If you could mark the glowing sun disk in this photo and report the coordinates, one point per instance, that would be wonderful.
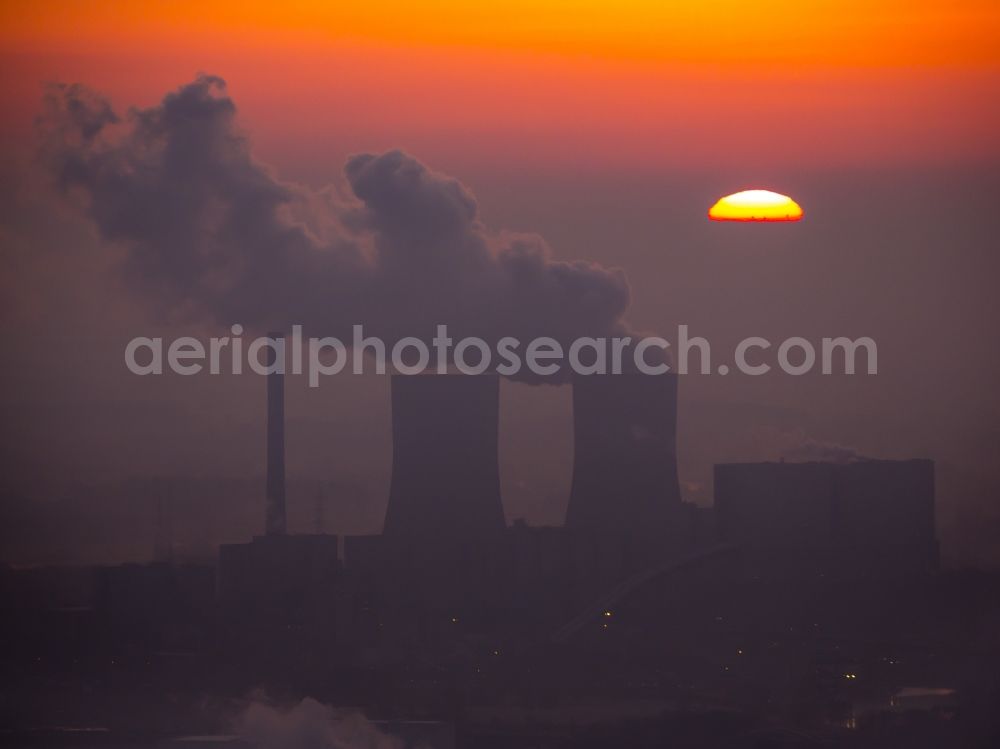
(755, 205)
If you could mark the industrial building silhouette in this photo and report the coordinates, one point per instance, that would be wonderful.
(445, 467)
(798, 568)
(447, 566)
(625, 456)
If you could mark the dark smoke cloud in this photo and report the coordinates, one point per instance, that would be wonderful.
(210, 234)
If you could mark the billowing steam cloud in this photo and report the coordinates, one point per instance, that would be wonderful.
(209, 233)
(310, 725)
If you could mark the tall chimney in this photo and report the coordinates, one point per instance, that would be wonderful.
(274, 522)
(624, 460)
(445, 470)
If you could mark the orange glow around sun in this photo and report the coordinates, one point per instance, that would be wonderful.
(755, 205)
(549, 84)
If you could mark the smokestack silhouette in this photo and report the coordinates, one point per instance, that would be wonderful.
(445, 471)
(624, 461)
(274, 521)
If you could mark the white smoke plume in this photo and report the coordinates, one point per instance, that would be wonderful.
(310, 725)
(806, 449)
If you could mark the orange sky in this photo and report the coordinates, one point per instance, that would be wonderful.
(626, 84)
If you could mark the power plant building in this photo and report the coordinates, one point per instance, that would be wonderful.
(873, 514)
(624, 454)
(445, 470)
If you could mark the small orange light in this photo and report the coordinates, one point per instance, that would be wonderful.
(755, 205)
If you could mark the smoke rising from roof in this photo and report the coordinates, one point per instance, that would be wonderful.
(809, 450)
(209, 234)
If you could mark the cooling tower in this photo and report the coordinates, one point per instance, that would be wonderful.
(624, 460)
(445, 473)
(274, 520)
